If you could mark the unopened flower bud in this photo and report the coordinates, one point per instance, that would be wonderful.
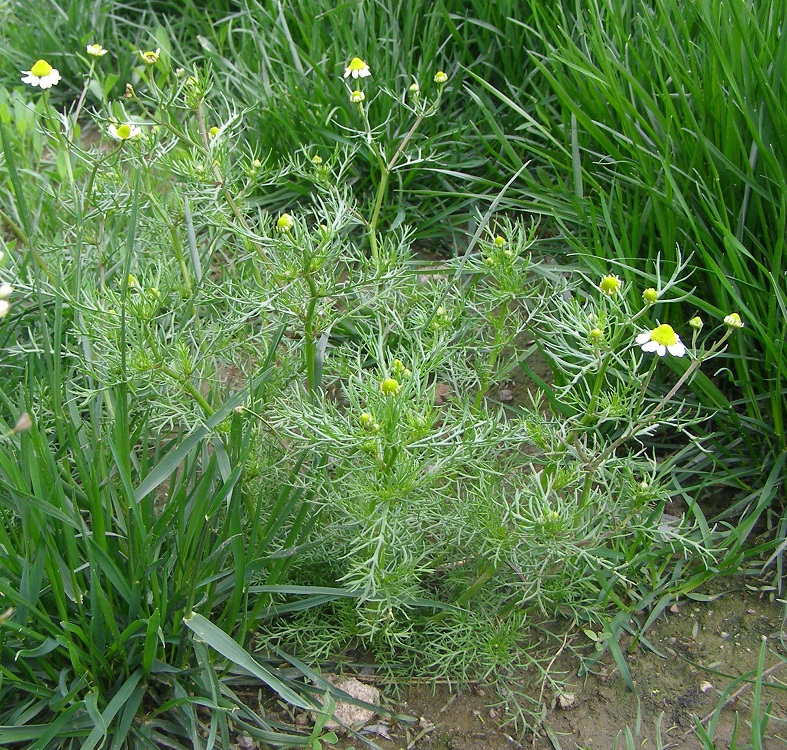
(285, 223)
(390, 386)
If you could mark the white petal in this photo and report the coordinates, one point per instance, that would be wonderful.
(662, 350)
(643, 337)
(650, 346)
(31, 79)
(677, 350)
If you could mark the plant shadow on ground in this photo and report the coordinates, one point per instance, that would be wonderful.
(693, 653)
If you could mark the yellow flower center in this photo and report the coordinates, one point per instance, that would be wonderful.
(284, 223)
(356, 64)
(124, 131)
(610, 285)
(41, 69)
(390, 386)
(664, 335)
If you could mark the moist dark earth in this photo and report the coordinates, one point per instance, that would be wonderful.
(703, 647)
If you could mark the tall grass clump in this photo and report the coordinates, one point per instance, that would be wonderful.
(652, 129)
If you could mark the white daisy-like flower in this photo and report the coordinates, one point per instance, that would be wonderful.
(124, 132)
(5, 306)
(42, 74)
(96, 50)
(357, 69)
(6, 290)
(661, 340)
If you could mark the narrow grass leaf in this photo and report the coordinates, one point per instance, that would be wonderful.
(219, 641)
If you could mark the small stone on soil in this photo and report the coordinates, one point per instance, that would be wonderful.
(567, 701)
(347, 713)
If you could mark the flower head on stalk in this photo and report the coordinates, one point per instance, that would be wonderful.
(661, 340)
(124, 131)
(150, 57)
(96, 50)
(610, 285)
(357, 69)
(42, 74)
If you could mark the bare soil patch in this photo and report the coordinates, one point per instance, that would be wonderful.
(692, 654)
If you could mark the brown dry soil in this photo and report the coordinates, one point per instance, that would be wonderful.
(704, 645)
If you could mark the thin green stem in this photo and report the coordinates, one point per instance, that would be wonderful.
(78, 109)
(487, 575)
(309, 344)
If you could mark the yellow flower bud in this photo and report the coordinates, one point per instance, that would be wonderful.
(610, 285)
(390, 386)
(650, 296)
(285, 223)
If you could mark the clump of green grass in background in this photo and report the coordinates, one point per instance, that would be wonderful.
(652, 129)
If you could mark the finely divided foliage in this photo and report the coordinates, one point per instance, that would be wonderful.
(321, 335)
